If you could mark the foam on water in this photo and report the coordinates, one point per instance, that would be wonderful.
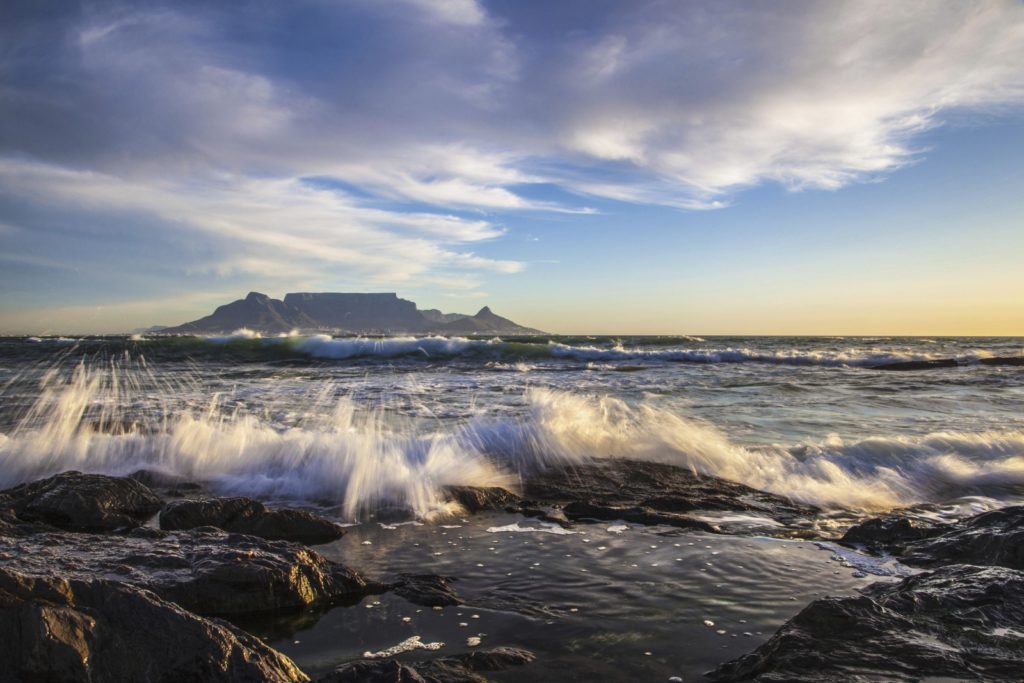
(362, 458)
(669, 350)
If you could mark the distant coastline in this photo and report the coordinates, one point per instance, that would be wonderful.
(343, 313)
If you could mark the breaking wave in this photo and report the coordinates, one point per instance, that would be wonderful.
(250, 345)
(362, 458)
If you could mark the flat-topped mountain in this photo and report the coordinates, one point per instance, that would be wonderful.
(344, 312)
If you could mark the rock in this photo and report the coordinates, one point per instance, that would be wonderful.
(373, 671)
(637, 515)
(888, 534)
(958, 622)
(456, 669)
(154, 479)
(248, 516)
(479, 498)
(204, 570)
(648, 488)
(1003, 360)
(97, 631)
(994, 538)
(428, 590)
(82, 502)
(494, 659)
(918, 364)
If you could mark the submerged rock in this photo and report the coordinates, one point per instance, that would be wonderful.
(645, 489)
(456, 669)
(96, 631)
(993, 538)
(204, 570)
(157, 480)
(637, 515)
(480, 498)
(428, 590)
(917, 364)
(888, 534)
(958, 622)
(248, 516)
(82, 502)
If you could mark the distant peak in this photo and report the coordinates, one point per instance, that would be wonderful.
(486, 310)
(256, 296)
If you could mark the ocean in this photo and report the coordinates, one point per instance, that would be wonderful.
(351, 427)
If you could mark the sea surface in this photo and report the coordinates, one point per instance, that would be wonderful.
(351, 426)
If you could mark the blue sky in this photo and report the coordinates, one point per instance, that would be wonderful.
(605, 167)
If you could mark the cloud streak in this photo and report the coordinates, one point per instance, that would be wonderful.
(395, 140)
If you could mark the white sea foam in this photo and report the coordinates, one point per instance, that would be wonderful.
(325, 347)
(362, 458)
(407, 645)
(516, 528)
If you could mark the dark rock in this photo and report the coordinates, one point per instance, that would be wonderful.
(959, 622)
(206, 571)
(82, 502)
(373, 671)
(889, 534)
(97, 631)
(638, 515)
(494, 659)
(456, 669)
(248, 516)
(479, 498)
(993, 538)
(649, 488)
(155, 479)
(553, 515)
(918, 364)
(428, 590)
(1004, 360)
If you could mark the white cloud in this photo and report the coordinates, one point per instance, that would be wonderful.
(275, 221)
(215, 122)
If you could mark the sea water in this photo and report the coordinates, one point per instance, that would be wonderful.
(352, 425)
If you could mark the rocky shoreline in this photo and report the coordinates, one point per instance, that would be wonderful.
(96, 571)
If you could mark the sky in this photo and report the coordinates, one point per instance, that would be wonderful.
(642, 167)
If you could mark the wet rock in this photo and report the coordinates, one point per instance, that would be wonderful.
(373, 671)
(656, 488)
(994, 538)
(958, 622)
(204, 570)
(157, 480)
(551, 514)
(456, 669)
(82, 502)
(428, 590)
(637, 515)
(248, 516)
(97, 631)
(917, 364)
(1003, 360)
(480, 498)
(888, 534)
(494, 659)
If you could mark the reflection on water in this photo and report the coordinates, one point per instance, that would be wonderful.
(591, 604)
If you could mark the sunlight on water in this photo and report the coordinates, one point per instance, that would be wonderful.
(119, 416)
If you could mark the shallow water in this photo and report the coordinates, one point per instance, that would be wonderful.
(351, 426)
(591, 604)
(365, 422)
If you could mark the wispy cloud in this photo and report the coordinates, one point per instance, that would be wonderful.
(384, 138)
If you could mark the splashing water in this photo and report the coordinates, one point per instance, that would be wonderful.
(323, 446)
